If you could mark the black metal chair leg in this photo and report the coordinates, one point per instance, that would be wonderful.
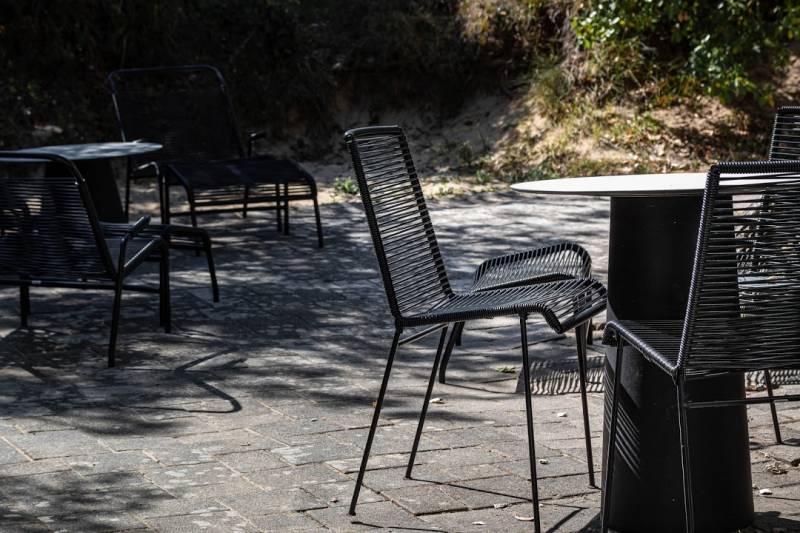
(320, 240)
(244, 201)
(529, 412)
(424, 411)
(286, 209)
(612, 440)
(212, 271)
(447, 352)
(164, 303)
(278, 207)
(127, 192)
(460, 332)
(24, 305)
(112, 342)
(580, 337)
(589, 328)
(375, 417)
(775, 423)
(163, 197)
(685, 456)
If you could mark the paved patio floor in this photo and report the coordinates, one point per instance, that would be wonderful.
(252, 414)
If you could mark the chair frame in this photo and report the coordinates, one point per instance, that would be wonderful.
(116, 273)
(167, 176)
(441, 322)
(617, 333)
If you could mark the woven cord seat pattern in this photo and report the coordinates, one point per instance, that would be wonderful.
(562, 260)
(561, 303)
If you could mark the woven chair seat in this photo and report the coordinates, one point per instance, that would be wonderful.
(562, 304)
(658, 340)
(252, 171)
(559, 261)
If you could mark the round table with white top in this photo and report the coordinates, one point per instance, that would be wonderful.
(654, 221)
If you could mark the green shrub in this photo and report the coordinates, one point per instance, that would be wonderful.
(346, 186)
(722, 47)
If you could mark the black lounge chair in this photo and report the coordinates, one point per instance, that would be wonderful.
(188, 111)
(416, 283)
(50, 237)
(743, 306)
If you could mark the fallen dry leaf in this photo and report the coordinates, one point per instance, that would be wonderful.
(524, 518)
(765, 492)
(437, 400)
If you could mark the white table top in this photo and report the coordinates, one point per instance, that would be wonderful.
(77, 152)
(672, 184)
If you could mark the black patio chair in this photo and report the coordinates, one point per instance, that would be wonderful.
(416, 282)
(554, 262)
(50, 237)
(743, 307)
(784, 145)
(188, 111)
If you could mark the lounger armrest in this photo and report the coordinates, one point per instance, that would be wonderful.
(137, 227)
(134, 230)
(251, 141)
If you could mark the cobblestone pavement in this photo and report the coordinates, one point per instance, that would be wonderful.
(252, 414)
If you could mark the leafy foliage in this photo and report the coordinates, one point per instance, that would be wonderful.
(719, 47)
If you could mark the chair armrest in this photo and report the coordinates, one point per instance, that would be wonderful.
(137, 227)
(251, 141)
(132, 232)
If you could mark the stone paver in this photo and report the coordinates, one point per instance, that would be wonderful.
(252, 414)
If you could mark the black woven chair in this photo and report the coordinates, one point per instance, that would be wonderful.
(416, 283)
(50, 237)
(743, 306)
(784, 145)
(187, 110)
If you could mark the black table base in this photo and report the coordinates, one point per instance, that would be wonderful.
(99, 177)
(651, 252)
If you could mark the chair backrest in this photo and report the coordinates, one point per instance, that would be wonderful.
(411, 265)
(785, 143)
(48, 226)
(186, 109)
(744, 301)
